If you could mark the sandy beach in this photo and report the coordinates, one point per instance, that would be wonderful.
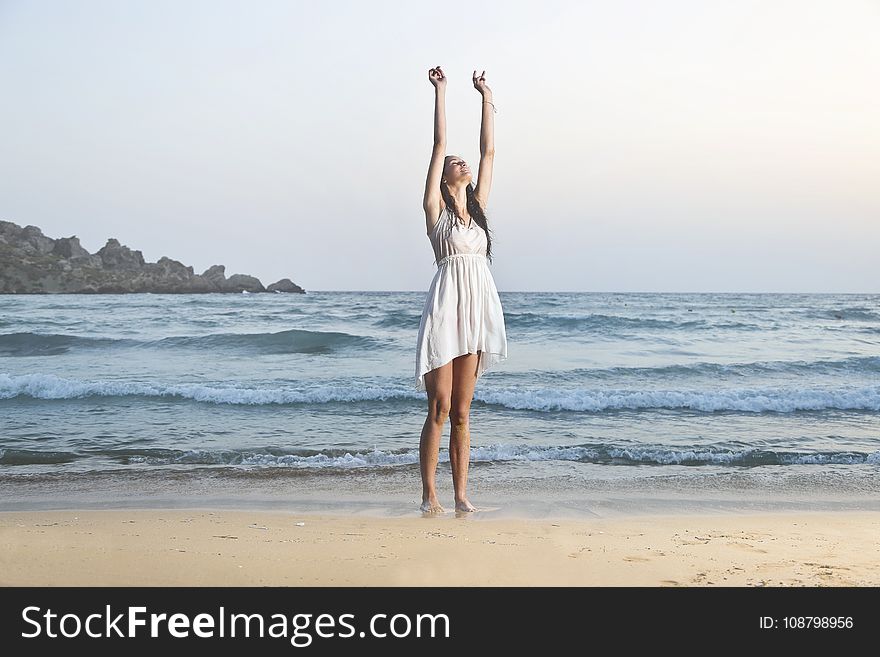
(216, 547)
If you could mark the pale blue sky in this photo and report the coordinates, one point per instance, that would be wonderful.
(641, 146)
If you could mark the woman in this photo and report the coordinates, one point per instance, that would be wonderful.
(461, 334)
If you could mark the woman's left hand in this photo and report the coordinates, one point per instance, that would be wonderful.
(480, 83)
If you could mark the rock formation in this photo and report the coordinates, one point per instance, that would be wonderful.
(31, 263)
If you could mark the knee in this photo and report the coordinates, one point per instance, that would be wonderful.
(440, 410)
(460, 417)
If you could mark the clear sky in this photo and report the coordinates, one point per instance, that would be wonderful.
(641, 145)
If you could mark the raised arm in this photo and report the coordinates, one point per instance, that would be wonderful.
(487, 140)
(432, 200)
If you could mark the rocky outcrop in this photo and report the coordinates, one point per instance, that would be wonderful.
(116, 257)
(69, 247)
(284, 285)
(31, 263)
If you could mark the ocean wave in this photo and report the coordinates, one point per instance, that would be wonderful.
(855, 313)
(540, 399)
(53, 344)
(853, 364)
(281, 342)
(601, 323)
(36, 457)
(52, 387)
(749, 400)
(657, 455)
(398, 320)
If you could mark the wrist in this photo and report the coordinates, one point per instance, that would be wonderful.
(487, 95)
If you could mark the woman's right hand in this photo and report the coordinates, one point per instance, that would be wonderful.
(437, 77)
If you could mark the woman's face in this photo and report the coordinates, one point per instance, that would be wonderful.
(456, 171)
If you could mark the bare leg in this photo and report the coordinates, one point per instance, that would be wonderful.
(464, 379)
(438, 383)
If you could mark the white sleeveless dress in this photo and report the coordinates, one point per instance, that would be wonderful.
(462, 312)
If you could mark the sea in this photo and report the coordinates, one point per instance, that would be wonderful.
(608, 403)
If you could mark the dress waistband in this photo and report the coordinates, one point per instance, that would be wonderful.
(460, 255)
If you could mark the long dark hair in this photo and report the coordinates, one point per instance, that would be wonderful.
(474, 210)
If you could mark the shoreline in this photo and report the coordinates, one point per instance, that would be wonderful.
(582, 491)
(202, 546)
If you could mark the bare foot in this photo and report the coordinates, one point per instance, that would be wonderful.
(431, 506)
(464, 505)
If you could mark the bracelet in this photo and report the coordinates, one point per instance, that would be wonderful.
(492, 104)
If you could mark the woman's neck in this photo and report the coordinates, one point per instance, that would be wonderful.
(460, 196)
